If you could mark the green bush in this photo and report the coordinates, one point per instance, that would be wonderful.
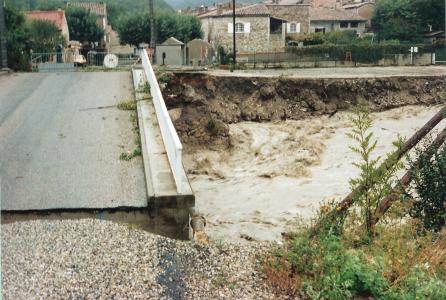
(429, 183)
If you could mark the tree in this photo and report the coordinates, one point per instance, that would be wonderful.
(44, 36)
(135, 29)
(3, 50)
(407, 19)
(17, 40)
(429, 186)
(83, 26)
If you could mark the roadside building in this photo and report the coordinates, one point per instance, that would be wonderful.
(55, 16)
(199, 52)
(99, 9)
(171, 52)
(323, 19)
(256, 28)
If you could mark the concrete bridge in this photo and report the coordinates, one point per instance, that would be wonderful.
(61, 135)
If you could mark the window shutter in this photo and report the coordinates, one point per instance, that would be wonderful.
(288, 27)
(298, 27)
(247, 27)
(230, 28)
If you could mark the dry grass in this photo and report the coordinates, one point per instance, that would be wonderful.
(281, 277)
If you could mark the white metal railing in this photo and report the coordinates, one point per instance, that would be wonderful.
(172, 142)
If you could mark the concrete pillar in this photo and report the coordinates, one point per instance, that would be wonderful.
(3, 51)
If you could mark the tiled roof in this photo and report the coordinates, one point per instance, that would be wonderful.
(250, 10)
(324, 3)
(329, 14)
(288, 2)
(99, 9)
(55, 16)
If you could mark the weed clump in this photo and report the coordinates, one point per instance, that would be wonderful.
(127, 105)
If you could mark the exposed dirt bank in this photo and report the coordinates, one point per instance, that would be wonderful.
(203, 105)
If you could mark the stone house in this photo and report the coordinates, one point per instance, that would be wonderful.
(324, 19)
(257, 30)
(55, 16)
(98, 9)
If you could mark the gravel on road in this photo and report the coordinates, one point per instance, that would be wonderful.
(85, 259)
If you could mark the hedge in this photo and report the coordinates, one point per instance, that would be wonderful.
(361, 52)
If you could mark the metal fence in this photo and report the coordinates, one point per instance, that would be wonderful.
(73, 61)
(291, 60)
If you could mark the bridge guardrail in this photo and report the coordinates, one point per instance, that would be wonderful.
(172, 142)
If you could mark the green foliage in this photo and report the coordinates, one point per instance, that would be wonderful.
(83, 25)
(340, 37)
(44, 36)
(223, 57)
(135, 29)
(363, 53)
(407, 19)
(429, 184)
(373, 183)
(17, 39)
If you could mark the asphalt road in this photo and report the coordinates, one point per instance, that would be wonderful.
(61, 136)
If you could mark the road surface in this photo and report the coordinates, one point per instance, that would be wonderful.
(61, 136)
(359, 72)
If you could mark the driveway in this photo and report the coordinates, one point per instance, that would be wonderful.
(61, 136)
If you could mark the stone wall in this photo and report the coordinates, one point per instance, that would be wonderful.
(257, 40)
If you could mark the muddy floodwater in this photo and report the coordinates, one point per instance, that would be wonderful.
(276, 172)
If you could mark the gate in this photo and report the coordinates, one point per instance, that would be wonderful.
(440, 55)
(72, 62)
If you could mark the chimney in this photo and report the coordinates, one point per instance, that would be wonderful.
(219, 9)
(200, 10)
(230, 4)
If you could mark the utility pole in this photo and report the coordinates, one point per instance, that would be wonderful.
(3, 50)
(152, 29)
(234, 58)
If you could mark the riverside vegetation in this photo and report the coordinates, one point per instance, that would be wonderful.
(401, 257)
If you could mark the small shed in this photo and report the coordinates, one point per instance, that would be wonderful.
(199, 52)
(171, 52)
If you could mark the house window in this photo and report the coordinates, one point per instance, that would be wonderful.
(320, 29)
(239, 27)
(293, 28)
(354, 24)
(344, 25)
